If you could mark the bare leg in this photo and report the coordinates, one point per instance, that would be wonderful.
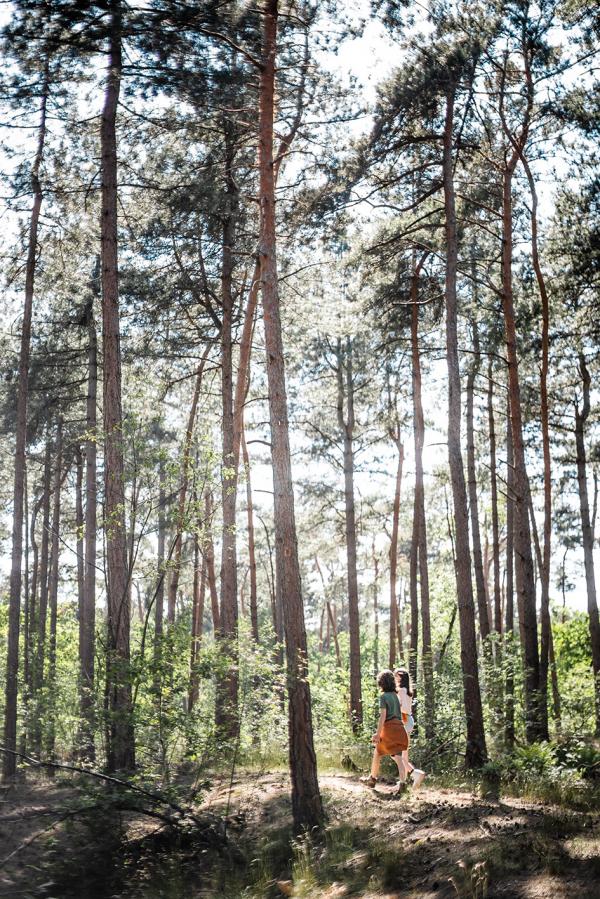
(409, 767)
(375, 764)
(402, 771)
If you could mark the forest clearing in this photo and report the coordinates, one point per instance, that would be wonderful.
(299, 449)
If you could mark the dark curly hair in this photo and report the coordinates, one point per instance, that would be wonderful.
(386, 681)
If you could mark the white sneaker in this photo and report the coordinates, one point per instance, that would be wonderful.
(418, 777)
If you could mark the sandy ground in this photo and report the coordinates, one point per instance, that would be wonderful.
(435, 842)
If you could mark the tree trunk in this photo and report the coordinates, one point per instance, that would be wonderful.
(87, 627)
(421, 536)
(9, 764)
(394, 617)
(227, 712)
(79, 535)
(476, 749)
(306, 800)
(546, 626)
(209, 553)
(508, 642)
(29, 672)
(581, 416)
(251, 542)
(121, 751)
(482, 606)
(197, 618)
(522, 535)
(159, 596)
(28, 608)
(186, 464)
(40, 648)
(375, 613)
(346, 423)
(494, 501)
(53, 593)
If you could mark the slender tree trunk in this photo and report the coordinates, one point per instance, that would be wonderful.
(476, 752)
(581, 416)
(209, 553)
(243, 373)
(494, 501)
(28, 607)
(306, 800)
(186, 465)
(522, 535)
(197, 619)
(87, 625)
(121, 751)
(159, 597)
(331, 617)
(227, 712)
(394, 618)
(419, 512)
(251, 542)
(482, 606)
(14, 609)
(346, 423)
(79, 535)
(546, 627)
(40, 648)
(53, 592)
(375, 613)
(508, 642)
(29, 672)
(413, 650)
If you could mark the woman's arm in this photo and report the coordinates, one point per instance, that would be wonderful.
(377, 735)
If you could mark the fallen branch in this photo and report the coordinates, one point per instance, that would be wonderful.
(207, 821)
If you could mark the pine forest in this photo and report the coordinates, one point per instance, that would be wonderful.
(300, 449)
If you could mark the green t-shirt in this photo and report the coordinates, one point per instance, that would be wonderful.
(391, 704)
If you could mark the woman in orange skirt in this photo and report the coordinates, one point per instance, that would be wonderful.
(390, 738)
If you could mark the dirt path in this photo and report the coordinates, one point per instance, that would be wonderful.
(417, 844)
(377, 845)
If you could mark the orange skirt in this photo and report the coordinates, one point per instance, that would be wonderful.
(394, 738)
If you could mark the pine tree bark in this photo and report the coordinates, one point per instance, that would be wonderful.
(121, 749)
(581, 416)
(199, 592)
(209, 553)
(523, 556)
(186, 465)
(421, 537)
(546, 625)
(494, 501)
(346, 423)
(42, 616)
(306, 800)
(482, 606)
(394, 615)
(251, 542)
(87, 626)
(159, 597)
(227, 711)
(53, 591)
(14, 608)
(508, 642)
(476, 752)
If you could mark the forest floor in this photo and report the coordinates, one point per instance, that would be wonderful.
(434, 843)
